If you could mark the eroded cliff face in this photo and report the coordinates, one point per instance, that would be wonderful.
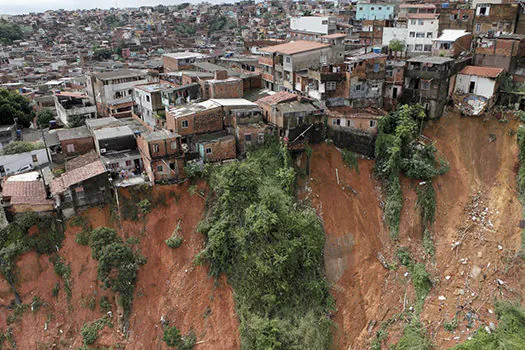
(476, 236)
(169, 285)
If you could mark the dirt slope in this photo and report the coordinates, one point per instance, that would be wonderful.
(482, 156)
(168, 285)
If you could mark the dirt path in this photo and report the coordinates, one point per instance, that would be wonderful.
(168, 285)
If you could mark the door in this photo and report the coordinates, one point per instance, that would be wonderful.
(472, 87)
(394, 92)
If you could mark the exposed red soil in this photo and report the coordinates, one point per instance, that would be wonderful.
(483, 162)
(168, 285)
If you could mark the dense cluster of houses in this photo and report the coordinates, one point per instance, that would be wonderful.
(305, 71)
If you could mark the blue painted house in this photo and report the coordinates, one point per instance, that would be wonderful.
(366, 11)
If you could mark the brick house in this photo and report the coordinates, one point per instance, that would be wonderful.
(162, 155)
(75, 141)
(222, 86)
(182, 60)
(84, 184)
(195, 119)
(26, 192)
(216, 147)
(504, 51)
(359, 120)
(451, 43)
(495, 18)
(365, 78)
(249, 129)
(395, 72)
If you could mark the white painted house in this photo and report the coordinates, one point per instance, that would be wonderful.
(422, 30)
(481, 81)
(476, 88)
(394, 33)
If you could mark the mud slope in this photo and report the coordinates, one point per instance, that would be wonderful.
(168, 285)
(482, 156)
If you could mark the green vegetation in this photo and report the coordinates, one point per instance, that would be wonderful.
(452, 325)
(74, 121)
(173, 338)
(396, 45)
(9, 32)
(414, 337)
(18, 310)
(271, 249)
(420, 277)
(105, 304)
(90, 331)
(21, 147)
(350, 160)
(64, 271)
(398, 150)
(175, 240)
(43, 117)
(15, 240)
(509, 335)
(118, 264)
(13, 105)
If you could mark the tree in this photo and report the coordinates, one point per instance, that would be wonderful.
(9, 32)
(13, 105)
(21, 147)
(396, 45)
(102, 54)
(43, 117)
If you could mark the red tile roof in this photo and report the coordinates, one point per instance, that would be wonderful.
(294, 47)
(334, 36)
(488, 72)
(26, 192)
(76, 176)
(280, 97)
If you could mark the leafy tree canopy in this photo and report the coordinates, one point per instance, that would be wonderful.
(13, 105)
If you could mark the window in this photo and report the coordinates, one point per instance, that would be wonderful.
(349, 123)
(429, 34)
(261, 138)
(465, 17)
(184, 123)
(288, 60)
(483, 11)
(70, 148)
(207, 150)
(372, 8)
(453, 17)
(325, 22)
(156, 148)
(425, 85)
(360, 9)
(427, 48)
(420, 35)
(412, 34)
(418, 47)
(421, 22)
(35, 158)
(248, 137)
(380, 8)
(172, 166)
(413, 22)
(160, 168)
(331, 85)
(373, 123)
(147, 98)
(358, 87)
(113, 165)
(174, 145)
(376, 67)
(128, 162)
(478, 27)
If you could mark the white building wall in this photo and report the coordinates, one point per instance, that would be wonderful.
(124, 89)
(424, 26)
(483, 86)
(13, 162)
(394, 33)
(312, 24)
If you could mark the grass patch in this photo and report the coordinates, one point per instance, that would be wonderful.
(350, 159)
(64, 271)
(89, 331)
(414, 337)
(175, 240)
(174, 339)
